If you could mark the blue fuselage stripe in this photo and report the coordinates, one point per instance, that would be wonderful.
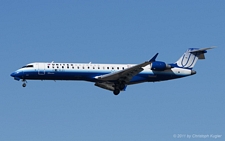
(89, 75)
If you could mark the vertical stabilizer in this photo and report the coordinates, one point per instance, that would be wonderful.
(190, 57)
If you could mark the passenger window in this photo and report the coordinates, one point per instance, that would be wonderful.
(107, 67)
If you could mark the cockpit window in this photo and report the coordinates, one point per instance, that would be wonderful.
(28, 66)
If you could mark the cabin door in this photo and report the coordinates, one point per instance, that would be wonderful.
(41, 69)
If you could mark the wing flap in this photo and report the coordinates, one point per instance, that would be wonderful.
(105, 85)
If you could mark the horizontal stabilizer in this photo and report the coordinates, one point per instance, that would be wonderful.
(202, 50)
(200, 53)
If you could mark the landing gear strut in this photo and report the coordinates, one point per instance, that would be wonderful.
(122, 86)
(118, 87)
(24, 83)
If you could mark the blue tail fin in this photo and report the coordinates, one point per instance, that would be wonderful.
(190, 57)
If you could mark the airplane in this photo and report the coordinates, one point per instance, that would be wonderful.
(113, 77)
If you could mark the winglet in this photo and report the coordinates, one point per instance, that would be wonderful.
(153, 58)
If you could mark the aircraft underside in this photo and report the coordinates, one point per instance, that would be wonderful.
(115, 85)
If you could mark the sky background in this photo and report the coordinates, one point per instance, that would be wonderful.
(111, 32)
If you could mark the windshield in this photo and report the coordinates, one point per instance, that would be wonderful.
(28, 66)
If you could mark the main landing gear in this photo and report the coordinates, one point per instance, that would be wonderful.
(118, 87)
(116, 91)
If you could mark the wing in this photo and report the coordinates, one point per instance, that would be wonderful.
(127, 74)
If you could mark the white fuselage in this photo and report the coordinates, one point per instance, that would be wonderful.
(89, 72)
(114, 77)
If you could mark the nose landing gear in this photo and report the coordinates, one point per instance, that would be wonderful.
(24, 83)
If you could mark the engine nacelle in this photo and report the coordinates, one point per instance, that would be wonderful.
(159, 66)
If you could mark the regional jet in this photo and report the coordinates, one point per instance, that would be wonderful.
(113, 77)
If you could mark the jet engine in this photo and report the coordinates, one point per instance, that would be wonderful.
(159, 66)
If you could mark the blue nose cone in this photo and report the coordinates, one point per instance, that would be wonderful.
(13, 74)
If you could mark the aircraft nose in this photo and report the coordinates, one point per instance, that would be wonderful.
(13, 74)
(16, 75)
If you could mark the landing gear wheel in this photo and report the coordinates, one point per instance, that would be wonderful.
(116, 91)
(24, 85)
